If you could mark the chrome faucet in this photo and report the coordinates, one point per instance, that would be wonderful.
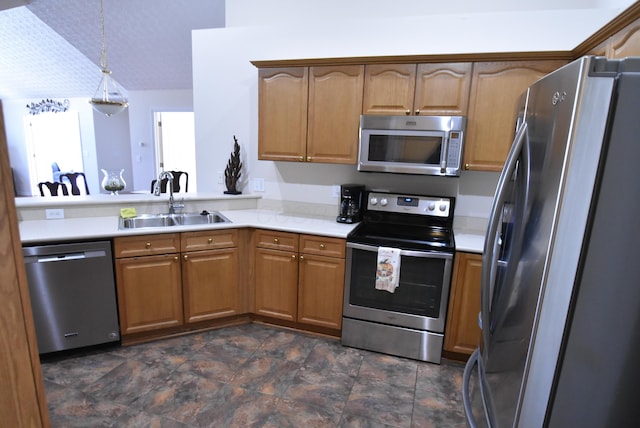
(156, 191)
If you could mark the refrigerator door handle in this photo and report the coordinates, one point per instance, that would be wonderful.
(466, 392)
(489, 259)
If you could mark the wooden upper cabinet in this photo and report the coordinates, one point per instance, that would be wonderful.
(389, 89)
(427, 89)
(335, 102)
(626, 42)
(496, 88)
(442, 89)
(282, 113)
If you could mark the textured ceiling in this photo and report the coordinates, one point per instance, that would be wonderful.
(50, 48)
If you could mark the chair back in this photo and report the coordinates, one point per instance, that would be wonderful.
(52, 188)
(73, 180)
(177, 180)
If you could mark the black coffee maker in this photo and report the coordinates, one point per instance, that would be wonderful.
(350, 203)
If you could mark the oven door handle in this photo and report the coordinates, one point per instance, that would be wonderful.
(408, 253)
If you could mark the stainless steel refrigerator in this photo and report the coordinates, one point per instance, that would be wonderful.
(560, 295)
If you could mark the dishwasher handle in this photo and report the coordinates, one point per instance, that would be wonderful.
(65, 257)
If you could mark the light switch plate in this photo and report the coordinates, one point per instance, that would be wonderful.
(335, 191)
(54, 213)
(258, 184)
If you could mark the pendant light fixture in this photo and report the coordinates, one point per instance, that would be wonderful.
(107, 99)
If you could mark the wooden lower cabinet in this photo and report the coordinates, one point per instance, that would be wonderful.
(462, 333)
(299, 278)
(169, 280)
(149, 293)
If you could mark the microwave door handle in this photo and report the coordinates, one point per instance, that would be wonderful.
(444, 155)
(489, 258)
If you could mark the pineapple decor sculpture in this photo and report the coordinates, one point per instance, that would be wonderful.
(233, 171)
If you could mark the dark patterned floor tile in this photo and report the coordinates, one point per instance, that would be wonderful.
(389, 369)
(267, 375)
(134, 418)
(447, 375)
(218, 362)
(247, 337)
(352, 421)
(287, 345)
(80, 371)
(181, 397)
(381, 402)
(326, 389)
(168, 352)
(70, 408)
(331, 355)
(293, 414)
(236, 407)
(128, 382)
(438, 406)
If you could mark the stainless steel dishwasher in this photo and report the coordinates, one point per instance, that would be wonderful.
(73, 295)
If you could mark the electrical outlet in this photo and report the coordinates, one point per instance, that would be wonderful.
(54, 213)
(220, 177)
(258, 184)
(335, 191)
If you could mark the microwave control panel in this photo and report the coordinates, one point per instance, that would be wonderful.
(409, 204)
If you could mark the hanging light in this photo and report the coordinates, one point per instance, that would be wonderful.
(107, 99)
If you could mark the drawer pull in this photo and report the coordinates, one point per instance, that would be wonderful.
(176, 258)
(276, 241)
(185, 257)
(301, 257)
(293, 256)
(322, 246)
(210, 240)
(147, 245)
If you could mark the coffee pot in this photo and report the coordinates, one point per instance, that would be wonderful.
(350, 210)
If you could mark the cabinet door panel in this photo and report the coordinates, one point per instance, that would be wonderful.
(276, 283)
(626, 42)
(462, 334)
(321, 291)
(210, 284)
(149, 293)
(442, 89)
(282, 113)
(389, 89)
(335, 103)
(496, 88)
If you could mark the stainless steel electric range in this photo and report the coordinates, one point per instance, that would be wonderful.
(407, 320)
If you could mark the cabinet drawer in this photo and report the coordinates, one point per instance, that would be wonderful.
(277, 240)
(146, 245)
(322, 246)
(209, 240)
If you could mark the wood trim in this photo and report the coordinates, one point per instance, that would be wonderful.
(403, 59)
(612, 27)
(24, 401)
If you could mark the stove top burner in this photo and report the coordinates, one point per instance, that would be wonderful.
(406, 221)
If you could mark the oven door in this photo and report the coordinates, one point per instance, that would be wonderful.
(419, 302)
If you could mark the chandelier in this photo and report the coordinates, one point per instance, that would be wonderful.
(107, 99)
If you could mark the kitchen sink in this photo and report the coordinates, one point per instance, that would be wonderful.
(168, 220)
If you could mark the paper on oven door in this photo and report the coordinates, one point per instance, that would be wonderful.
(388, 269)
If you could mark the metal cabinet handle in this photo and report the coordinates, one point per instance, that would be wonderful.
(293, 256)
(276, 241)
(417, 111)
(210, 240)
(408, 112)
(466, 166)
(176, 258)
(308, 158)
(147, 245)
(301, 158)
(322, 246)
(301, 257)
(185, 257)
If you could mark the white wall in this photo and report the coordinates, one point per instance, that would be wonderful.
(225, 83)
(142, 106)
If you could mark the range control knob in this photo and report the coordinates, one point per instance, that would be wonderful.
(431, 206)
(383, 202)
(443, 207)
(374, 201)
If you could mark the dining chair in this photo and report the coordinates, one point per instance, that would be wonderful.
(53, 188)
(177, 179)
(73, 179)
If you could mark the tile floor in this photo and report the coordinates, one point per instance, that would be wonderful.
(250, 376)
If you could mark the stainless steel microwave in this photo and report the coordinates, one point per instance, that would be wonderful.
(428, 145)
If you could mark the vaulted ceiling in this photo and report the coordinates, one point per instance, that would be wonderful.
(51, 48)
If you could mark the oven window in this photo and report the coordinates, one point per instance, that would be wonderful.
(419, 291)
(412, 149)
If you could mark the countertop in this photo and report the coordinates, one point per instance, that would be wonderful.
(43, 231)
